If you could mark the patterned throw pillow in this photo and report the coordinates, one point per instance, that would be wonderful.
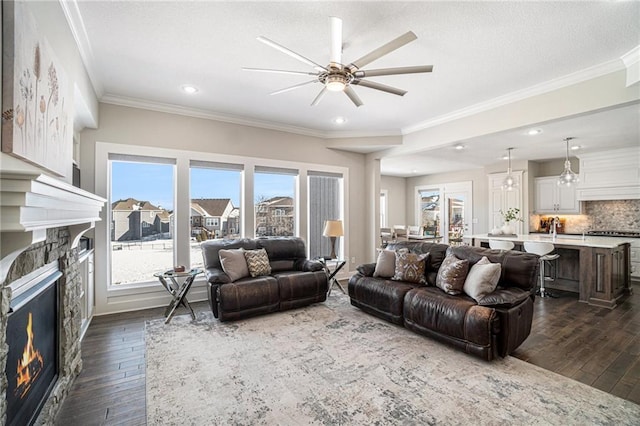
(234, 263)
(410, 267)
(257, 262)
(482, 279)
(452, 274)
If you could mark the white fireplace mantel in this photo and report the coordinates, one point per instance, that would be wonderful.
(30, 204)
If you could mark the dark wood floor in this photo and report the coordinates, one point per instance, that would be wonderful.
(596, 346)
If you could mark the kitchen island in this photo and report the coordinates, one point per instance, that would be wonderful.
(597, 268)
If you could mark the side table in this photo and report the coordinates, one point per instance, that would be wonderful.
(331, 275)
(170, 280)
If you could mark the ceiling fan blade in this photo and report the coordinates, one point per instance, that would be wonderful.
(353, 96)
(379, 86)
(383, 50)
(279, 71)
(293, 87)
(335, 55)
(316, 101)
(392, 71)
(290, 53)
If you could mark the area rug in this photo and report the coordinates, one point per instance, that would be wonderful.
(332, 364)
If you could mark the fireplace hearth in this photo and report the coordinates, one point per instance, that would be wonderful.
(32, 338)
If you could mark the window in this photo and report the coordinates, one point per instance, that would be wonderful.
(274, 190)
(141, 203)
(325, 203)
(215, 204)
(430, 211)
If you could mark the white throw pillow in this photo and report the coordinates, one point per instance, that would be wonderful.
(482, 278)
(234, 263)
(386, 264)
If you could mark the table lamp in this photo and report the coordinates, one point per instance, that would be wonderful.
(333, 229)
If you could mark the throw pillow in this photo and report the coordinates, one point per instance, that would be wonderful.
(482, 279)
(452, 274)
(386, 264)
(234, 263)
(410, 267)
(257, 262)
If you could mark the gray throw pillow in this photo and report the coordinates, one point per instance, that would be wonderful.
(386, 264)
(452, 274)
(258, 262)
(482, 278)
(234, 263)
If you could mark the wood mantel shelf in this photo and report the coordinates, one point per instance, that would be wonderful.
(31, 203)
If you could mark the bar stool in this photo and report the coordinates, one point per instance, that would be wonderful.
(542, 249)
(501, 245)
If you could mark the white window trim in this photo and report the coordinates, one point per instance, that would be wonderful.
(151, 294)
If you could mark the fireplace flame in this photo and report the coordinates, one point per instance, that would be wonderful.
(30, 365)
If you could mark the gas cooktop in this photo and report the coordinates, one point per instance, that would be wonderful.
(627, 234)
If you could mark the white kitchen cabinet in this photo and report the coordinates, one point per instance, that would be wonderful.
(500, 199)
(554, 199)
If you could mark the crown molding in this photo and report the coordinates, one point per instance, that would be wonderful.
(76, 24)
(632, 57)
(233, 119)
(208, 115)
(539, 89)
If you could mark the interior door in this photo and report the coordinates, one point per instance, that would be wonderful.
(458, 220)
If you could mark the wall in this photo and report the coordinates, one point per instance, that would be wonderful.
(126, 126)
(479, 181)
(555, 167)
(396, 200)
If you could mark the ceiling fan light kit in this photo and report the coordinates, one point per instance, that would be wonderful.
(336, 77)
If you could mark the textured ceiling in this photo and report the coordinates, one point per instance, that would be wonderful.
(479, 50)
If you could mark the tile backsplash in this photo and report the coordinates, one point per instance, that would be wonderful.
(615, 215)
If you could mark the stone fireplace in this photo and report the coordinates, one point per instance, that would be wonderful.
(55, 249)
(41, 224)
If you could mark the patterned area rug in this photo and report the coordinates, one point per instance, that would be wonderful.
(330, 364)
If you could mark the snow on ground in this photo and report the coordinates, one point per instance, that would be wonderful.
(134, 262)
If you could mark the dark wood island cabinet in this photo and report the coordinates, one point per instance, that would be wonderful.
(597, 268)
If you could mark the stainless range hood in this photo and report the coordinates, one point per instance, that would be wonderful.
(32, 203)
(610, 175)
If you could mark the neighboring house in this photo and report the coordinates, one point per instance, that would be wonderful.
(275, 217)
(214, 217)
(133, 220)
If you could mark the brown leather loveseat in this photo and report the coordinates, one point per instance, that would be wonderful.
(293, 281)
(495, 325)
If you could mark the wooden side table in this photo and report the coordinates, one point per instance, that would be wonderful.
(170, 280)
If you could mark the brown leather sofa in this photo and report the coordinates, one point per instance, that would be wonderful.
(496, 325)
(294, 281)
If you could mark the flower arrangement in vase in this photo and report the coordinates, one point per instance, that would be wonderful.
(512, 214)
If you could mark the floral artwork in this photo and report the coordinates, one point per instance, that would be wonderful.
(42, 114)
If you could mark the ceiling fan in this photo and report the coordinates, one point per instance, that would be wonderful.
(337, 77)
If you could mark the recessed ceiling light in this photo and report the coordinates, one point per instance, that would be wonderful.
(187, 88)
(533, 132)
(414, 171)
(575, 147)
(459, 147)
(504, 157)
(339, 120)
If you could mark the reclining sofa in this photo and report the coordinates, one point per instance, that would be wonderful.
(293, 281)
(495, 325)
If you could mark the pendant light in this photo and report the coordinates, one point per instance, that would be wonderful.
(509, 183)
(568, 177)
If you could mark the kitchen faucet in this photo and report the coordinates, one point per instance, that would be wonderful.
(555, 223)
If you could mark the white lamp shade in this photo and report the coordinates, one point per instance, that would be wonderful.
(333, 228)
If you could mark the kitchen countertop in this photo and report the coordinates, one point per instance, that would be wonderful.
(562, 239)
